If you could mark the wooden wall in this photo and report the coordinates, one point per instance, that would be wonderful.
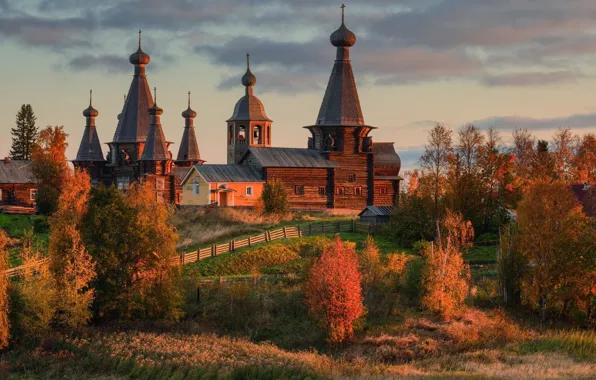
(311, 179)
(360, 165)
(390, 198)
(22, 194)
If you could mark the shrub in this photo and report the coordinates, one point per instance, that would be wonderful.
(4, 296)
(275, 197)
(420, 246)
(333, 291)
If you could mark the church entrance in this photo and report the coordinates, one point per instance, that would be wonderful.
(226, 198)
(223, 199)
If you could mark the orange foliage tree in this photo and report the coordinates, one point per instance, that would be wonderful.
(49, 167)
(552, 228)
(333, 291)
(444, 275)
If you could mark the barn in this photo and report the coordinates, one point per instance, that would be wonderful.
(17, 187)
(376, 214)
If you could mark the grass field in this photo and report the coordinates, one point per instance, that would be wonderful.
(16, 225)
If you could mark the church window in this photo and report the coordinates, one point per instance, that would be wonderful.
(195, 187)
(123, 183)
(160, 183)
(299, 189)
(32, 194)
(340, 190)
(242, 134)
(249, 191)
(358, 190)
(322, 190)
(352, 178)
(257, 136)
(383, 190)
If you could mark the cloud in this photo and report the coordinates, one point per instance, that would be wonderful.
(399, 42)
(579, 121)
(532, 78)
(108, 63)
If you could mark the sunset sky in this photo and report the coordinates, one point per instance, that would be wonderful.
(506, 63)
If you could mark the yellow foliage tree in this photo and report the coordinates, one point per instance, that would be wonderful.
(444, 275)
(4, 298)
(552, 226)
(71, 264)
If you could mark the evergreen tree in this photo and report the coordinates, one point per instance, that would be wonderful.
(24, 134)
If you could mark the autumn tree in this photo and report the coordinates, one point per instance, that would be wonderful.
(24, 134)
(564, 147)
(333, 291)
(523, 151)
(132, 240)
(584, 162)
(444, 275)
(49, 167)
(551, 223)
(4, 297)
(71, 264)
(275, 197)
(543, 166)
(435, 163)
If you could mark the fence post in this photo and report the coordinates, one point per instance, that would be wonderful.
(353, 225)
(338, 227)
(249, 241)
(285, 234)
(299, 231)
(182, 258)
(369, 227)
(266, 236)
(231, 245)
(213, 250)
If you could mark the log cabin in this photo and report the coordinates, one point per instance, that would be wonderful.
(17, 187)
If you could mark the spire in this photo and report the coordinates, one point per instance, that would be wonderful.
(343, 7)
(249, 80)
(188, 154)
(133, 123)
(156, 146)
(341, 105)
(90, 147)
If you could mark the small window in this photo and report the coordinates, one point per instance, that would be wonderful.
(322, 190)
(160, 183)
(358, 190)
(223, 186)
(352, 178)
(383, 190)
(299, 190)
(123, 183)
(195, 187)
(340, 191)
(32, 194)
(249, 191)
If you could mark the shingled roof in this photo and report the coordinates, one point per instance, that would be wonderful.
(385, 155)
(341, 105)
(228, 173)
(249, 107)
(90, 148)
(290, 158)
(156, 147)
(15, 172)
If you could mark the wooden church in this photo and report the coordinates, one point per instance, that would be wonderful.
(340, 167)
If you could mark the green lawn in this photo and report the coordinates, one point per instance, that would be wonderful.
(481, 255)
(16, 225)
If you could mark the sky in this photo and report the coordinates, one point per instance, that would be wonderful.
(507, 64)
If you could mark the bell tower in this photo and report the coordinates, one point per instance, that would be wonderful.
(249, 125)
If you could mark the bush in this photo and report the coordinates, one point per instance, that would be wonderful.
(410, 222)
(420, 246)
(275, 197)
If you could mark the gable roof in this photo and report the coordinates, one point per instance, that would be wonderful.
(227, 173)
(377, 211)
(290, 158)
(15, 172)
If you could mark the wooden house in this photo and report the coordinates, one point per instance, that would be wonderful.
(17, 187)
(222, 185)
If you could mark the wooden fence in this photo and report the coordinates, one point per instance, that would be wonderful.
(301, 230)
(291, 232)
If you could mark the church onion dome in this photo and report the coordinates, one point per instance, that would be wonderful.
(343, 37)
(189, 113)
(249, 107)
(139, 57)
(90, 111)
